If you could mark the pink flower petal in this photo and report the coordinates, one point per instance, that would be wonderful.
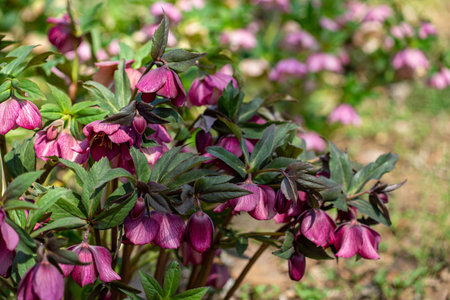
(9, 111)
(102, 261)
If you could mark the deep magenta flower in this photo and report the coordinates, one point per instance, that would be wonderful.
(265, 208)
(139, 124)
(61, 36)
(207, 90)
(163, 82)
(190, 255)
(288, 209)
(297, 264)
(287, 68)
(54, 141)
(106, 139)
(313, 141)
(19, 113)
(200, 231)
(203, 140)
(410, 59)
(247, 202)
(346, 115)
(171, 229)
(100, 265)
(218, 276)
(8, 243)
(299, 39)
(323, 62)
(318, 227)
(140, 228)
(160, 134)
(355, 238)
(41, 281)
(427, 29)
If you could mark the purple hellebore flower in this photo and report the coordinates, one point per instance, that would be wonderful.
(171, 229)
(218, 276)
(265, 208)
(287, 68)
(158, 9)
(199, 231)
(160, 134)
(440, 80)
(248, 202)
(53, 141)
(207, 91)
(100, 265)
(106, 139)
(313, 141)
(163, 82)
(355, 238)
(410, 59)
(323, 62)
(350, 214)
(154, 153)
(402, 30)
(239, 39)
(318, 227)
(41, 281)
(140, 228)
(19, 113)
(299, 39)
(190, 255)
(346, 115)
(203, 140)
(139, 124)
(8, 243)
(61, 36)
(288, 209)
(378, 13)
(297, 264)
(427, 29)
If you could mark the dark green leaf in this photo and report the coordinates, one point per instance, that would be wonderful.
(159, 39)
(373, 212)
(45, 202)
(289, 189)
(220, 192)
(140, 164)
(19, 204)
(20, 185)
(249, 109)
(287, 248)
(104, 97)
(340, 167)
(39, 59)
(160, 167)
(194, 294)
(61, 224)
(230, 101)
(152, 289)
(229, 158)
(180, 60)
(26, 243)
(309, 249)
(122, 85)
(263, 148)
(116, 213)
(21, 158)
(16, 66)
(241, 245)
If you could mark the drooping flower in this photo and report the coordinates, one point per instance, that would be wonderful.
(171, 229)
(140, 228)
(288, 209)
(313, 141)
(100, 265)
(163, 82)
(427, 29)
(297, 264)
(247, 202)
(61, 36)
(159, 8)
(346, 115)
(199, 231)
(402, 30)
(190, 255)
(207, 91)
(239, 39)
(41, 281)
(265, 208)
(8, 243)
(203, 140)
(323, 62)
(318, 227)
(218, 276)
(299, 39)
(440, 80)
(410, 60)
(287, 68)
(19, 113)
(378, 13)
(355, 238)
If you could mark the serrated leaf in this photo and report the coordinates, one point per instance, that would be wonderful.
(20, 185)
(59, 97)
(340, 167)
(16, 66)
(171, 279)
(45, 202)
(229, 158)
(21, 158)
(152, 289)
(104, 97)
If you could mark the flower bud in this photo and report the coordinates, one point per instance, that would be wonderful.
(297, 264)
(200, 231)
(218, 276)
(318, 227)
(139, 124)
(9, 240)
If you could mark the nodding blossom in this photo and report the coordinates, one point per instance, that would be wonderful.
(346, 115)
(207, 90)
(287, 68)
(19, 113)
(61, 35)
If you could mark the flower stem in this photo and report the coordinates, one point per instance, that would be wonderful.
(161, 265)
(125, 268)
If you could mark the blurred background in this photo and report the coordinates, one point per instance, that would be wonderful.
(401, 107)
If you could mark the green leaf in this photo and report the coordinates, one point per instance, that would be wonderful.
(180, 60)
(384, 164)
(19, 204)
(188, 177)
(230, 101)
(105, 98)
(5, 90)
(17, 65)
(61, 224)
(163, 163)
(193, 294)
(140, 164)
(26, 243)
(287, 248)
(125, 51)
(241, 245)
(122, 85)
(181, 164)
(60, 98)
(249, 109)
(229, 158)
(159, 39)
(289, 189)
(20, 185)
(51, 111)
(80, 172)
(32, 89)
(309, 249)
(39, 59)
(89, 17)
(372, 211)
(142, 55)
(114, 215)
(171, 279)
(219, 192)
(21, 158)
(152, 289)
(307, 181)
(340, 203)
(340, 167)
(263, 148)
(45, 202)
(82, 105)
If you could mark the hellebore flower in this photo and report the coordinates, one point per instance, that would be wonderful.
(207, 91)
(299, 39)
(160, 134)
(287, 68)
(106, 69)
(378, 13)
(323, 62)
(402, 30)
(440, 80)
(202, 141)
(410, 59)
(345, 114)
(427, 29)
(106, 139)
(329, 24)
(159, 8)
(8, 243)
(239, 39)
(19, 113)
(297, 264)
(53, 141)
(265, 208)
(163, 82)
(355, 238)
(140, 228)
(313, 141)
(139, 124)
(247, 202)
(288, 209)
(190, 255)
(171, 229)
(200, 231)
(100, 265)
(318, 227)
(61, 36)
(218, 276)
(153, 153)
(41, 281)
